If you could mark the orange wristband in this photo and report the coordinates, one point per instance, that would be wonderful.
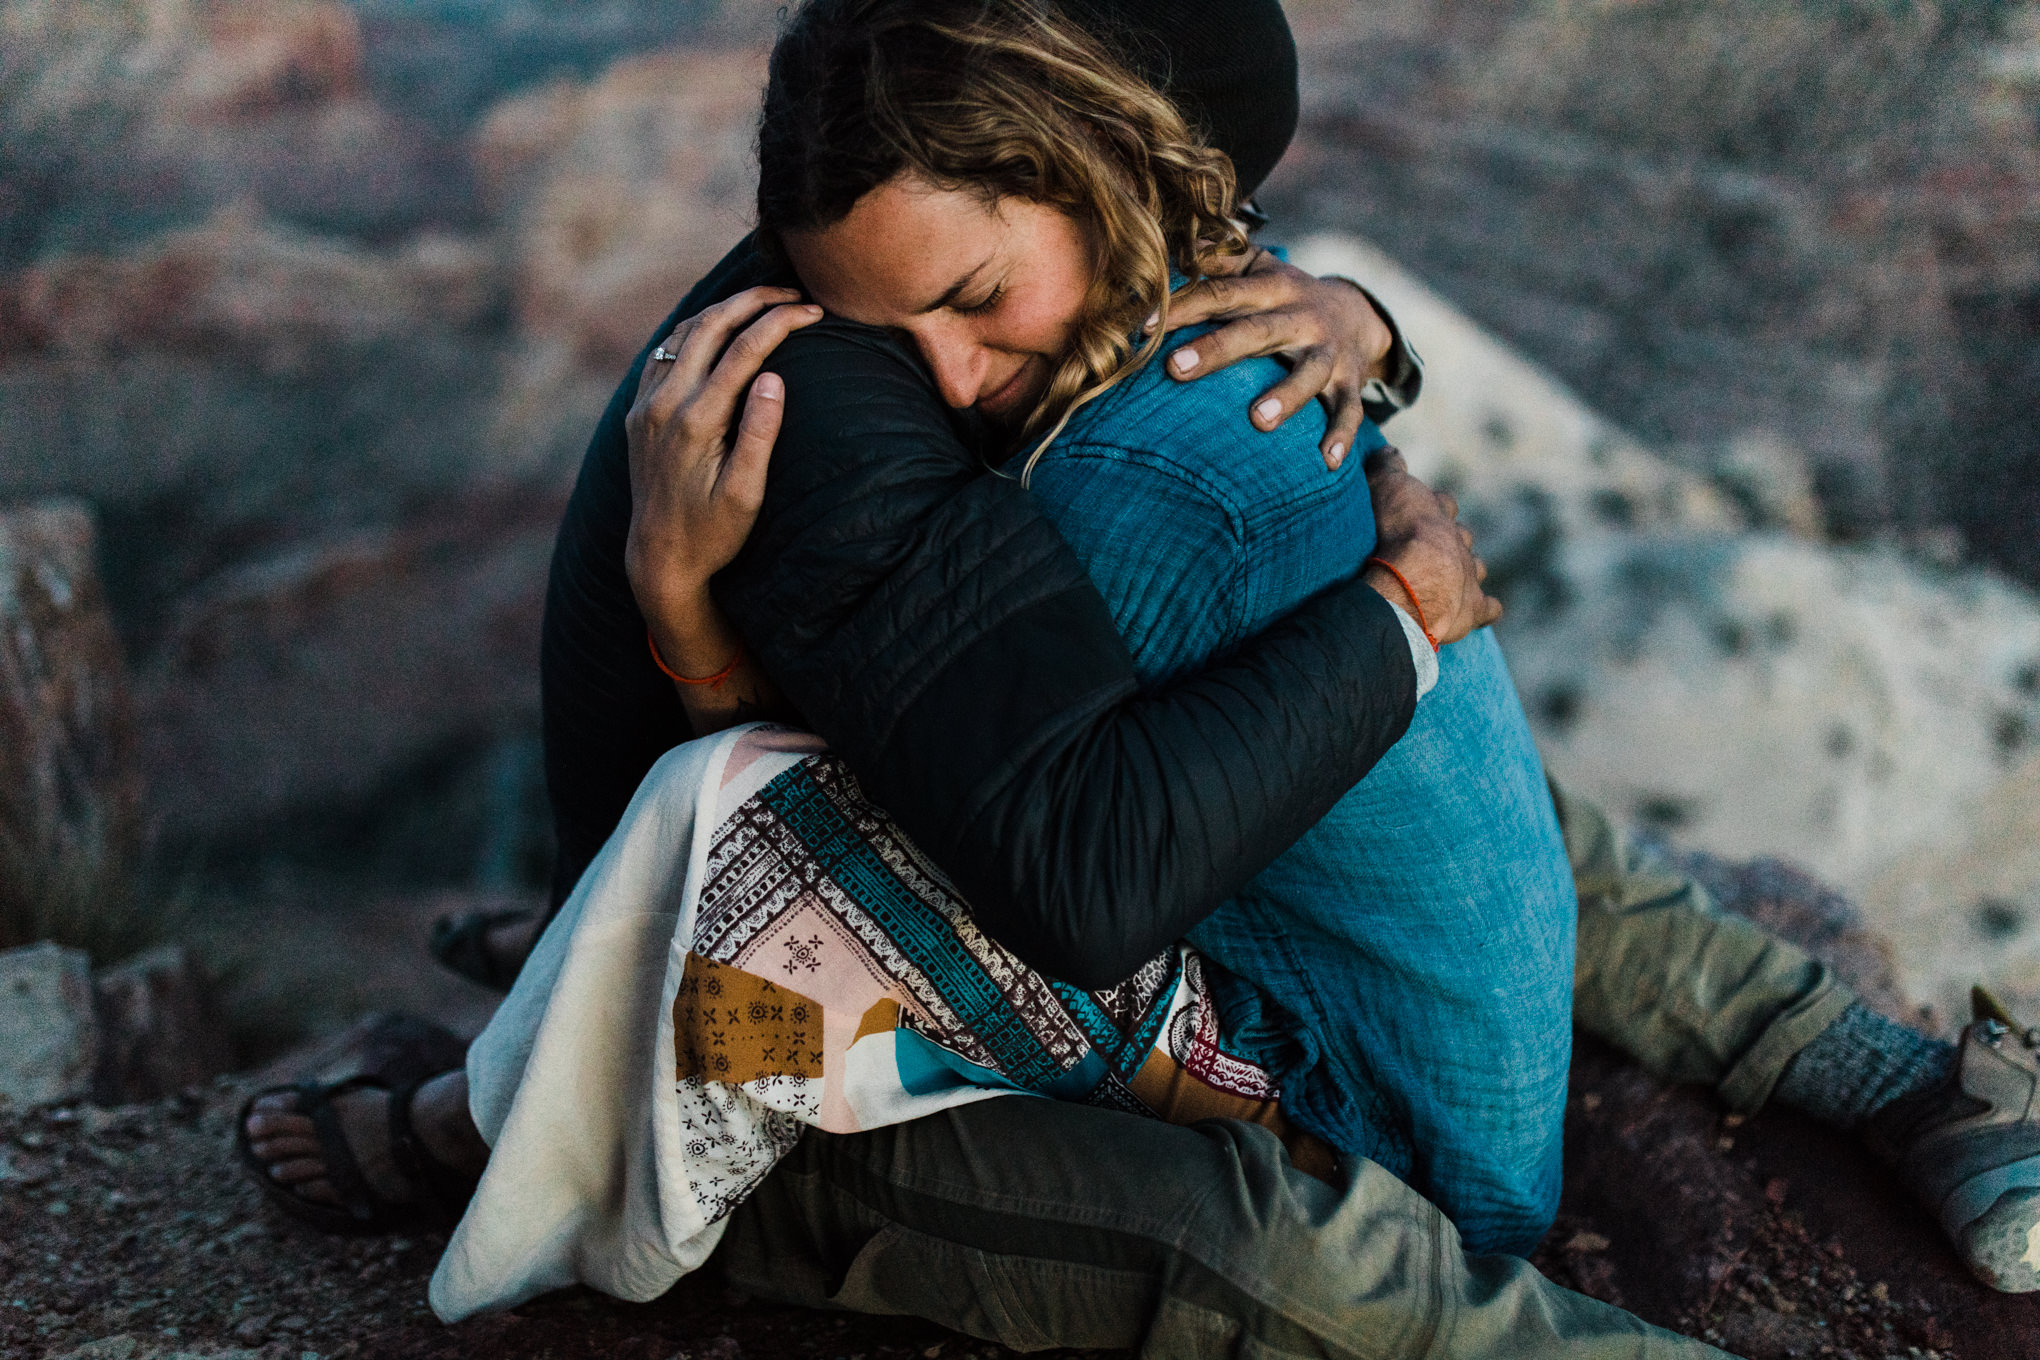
(1418, 604)
(713, 681)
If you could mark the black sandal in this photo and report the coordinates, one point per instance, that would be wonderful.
(461, 944)
(443, 1191)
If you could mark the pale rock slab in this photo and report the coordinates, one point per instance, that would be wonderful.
(1749, 693)
(49, 1034)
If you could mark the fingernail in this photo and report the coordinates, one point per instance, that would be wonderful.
(1336, 454)
(1183, 360)
(1154, 320)
(769, 386)
(1268, 409)
(812, 310)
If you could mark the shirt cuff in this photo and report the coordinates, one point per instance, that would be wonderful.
(1403, 368)
(1425, 659)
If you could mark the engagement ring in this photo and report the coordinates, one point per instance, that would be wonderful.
(662, 355)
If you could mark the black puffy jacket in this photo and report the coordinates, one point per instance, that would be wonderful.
(929, 621)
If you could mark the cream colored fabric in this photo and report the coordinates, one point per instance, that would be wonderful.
(756, 952)
(566, 1084)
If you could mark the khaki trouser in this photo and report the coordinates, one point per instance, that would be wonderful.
(1039, 1224)
(1689, 992)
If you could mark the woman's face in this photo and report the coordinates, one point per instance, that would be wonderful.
(991, 292)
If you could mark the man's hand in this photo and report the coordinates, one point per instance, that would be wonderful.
(1325, 329)
(1418, 530)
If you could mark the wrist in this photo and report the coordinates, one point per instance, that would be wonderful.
(1397, 370)
(669, 598)
(1388, 587)
(712, 680)
(1377, 333)
(1415, 608)
(690, 632)
(661, 577)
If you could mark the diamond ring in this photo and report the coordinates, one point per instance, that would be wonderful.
(663, 355)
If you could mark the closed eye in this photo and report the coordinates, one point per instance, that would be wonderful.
(980, 308)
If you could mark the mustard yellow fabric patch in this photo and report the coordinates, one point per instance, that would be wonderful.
(732, 1026)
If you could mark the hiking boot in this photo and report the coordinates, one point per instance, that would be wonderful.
(1970, 1149)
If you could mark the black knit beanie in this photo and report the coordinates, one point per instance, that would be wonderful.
(1229, 65)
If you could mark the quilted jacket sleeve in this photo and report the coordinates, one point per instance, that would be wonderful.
(927, 619)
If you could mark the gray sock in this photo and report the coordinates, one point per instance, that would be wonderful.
(1860, 1064)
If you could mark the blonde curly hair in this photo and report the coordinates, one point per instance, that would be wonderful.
(1000, 98)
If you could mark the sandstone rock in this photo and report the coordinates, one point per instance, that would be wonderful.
(336, 498)
(332, 576)
(49, 1037)
(325, 544)
(144, 116)
(273, 384)
(159, 1030)
(619, 193)
(614, 197)
(243, 289)
(250, 58)
(1491, 422)
(69, 799)
(317, 675)
(1748, 693)
(1712, 222)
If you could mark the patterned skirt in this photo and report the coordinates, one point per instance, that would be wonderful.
(811, 969)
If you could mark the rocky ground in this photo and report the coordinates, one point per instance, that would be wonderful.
(133, 1222)
(128, 1234)
(1769, 1238)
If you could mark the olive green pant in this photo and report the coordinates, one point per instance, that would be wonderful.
(1039, 1224)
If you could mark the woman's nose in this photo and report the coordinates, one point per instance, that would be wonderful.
(959, 368)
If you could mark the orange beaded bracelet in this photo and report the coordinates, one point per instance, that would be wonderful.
(1415, 603)
(713, 681)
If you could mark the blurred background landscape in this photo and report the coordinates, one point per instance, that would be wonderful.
(307, 309)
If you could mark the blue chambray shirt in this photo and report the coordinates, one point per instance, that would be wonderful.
(1406, 967)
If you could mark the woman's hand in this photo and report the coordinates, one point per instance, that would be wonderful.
(697, 472)
(697, 478)
(1418, 530)
(1327, 330)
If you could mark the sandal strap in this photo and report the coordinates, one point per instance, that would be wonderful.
(357, 1197)
(445, 1189)
(360, 1201)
